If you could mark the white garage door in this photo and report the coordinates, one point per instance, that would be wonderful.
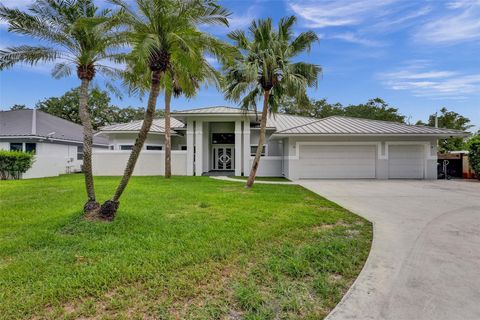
(337, 162)
(406, 161)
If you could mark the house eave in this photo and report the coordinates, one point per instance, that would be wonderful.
(433, 135)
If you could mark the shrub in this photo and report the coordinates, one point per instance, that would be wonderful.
(14, 163)
(474, 155)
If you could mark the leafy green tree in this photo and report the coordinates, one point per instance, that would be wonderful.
(102, 113)
(265, 71)
(449, 120)
(375, 109)
(473, 146)
(162, 33)
(78, 34)
(18, 107)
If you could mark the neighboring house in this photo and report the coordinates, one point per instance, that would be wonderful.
(224, 139)
(57, 143)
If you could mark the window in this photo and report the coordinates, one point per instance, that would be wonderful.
(111, 147)
(155, 148)
(79, 152)
(126, 147)
(30, 147)
(223, 138)
(253, 151)
(16, 146)
(183, 148)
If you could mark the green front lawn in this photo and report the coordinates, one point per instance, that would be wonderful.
(185, 248)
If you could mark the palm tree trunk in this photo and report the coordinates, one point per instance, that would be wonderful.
(109, 208)
(168, 140)
(91, 203)
(261, 141)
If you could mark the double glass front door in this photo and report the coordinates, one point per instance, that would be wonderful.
(223, 158)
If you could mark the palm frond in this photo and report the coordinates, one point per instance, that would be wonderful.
(26, 54)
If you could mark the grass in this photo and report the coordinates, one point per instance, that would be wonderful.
(276, 179)
(184, 248)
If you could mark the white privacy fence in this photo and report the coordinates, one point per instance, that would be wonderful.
(150, 163)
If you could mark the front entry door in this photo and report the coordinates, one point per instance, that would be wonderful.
(223, 158)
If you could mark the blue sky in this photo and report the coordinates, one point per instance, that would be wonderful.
(417, 55)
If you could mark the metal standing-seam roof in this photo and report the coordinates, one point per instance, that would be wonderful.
(37, 124)
(214, 111)
(158, 126)
(356, 126)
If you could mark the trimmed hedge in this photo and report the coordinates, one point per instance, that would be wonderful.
(14, 163)
(474, 155)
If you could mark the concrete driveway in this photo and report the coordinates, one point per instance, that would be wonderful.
(425, 258)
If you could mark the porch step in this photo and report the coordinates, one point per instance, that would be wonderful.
(227, 173)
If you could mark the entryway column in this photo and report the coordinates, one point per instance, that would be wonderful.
(198, 148)
(238, 148)
(246, 147)
(190, 144)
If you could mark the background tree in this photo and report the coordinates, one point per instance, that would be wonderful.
(78, 35)
(264, 71)
(375, 109)
(18, 107)
(449, 120)
(101, 112)
(161, 32)
(473, 146)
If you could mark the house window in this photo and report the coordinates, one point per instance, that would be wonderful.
(111, 147)
(79, 152)
(183, 148)
(155, 148)
(253, 151)
(126, 147)
(16, 146)
(31, 147)
(223, 138)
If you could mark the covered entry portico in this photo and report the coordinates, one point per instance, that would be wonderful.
(217, 142)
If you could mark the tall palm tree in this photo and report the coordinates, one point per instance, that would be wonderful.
(79, 35)
(163, 32)
(265, 71)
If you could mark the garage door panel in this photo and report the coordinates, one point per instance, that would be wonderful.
(406, 161)
(337, 162)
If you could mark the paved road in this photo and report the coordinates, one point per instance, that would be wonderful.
(425, 258)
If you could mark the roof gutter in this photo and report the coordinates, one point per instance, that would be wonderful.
(438, 135)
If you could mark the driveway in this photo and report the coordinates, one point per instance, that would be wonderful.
(425, 258)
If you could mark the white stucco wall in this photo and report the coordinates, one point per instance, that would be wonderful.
(150, 163)
(51, 159)
(118, 139)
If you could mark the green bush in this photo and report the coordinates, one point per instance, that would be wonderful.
(474, 155)
(14, 163)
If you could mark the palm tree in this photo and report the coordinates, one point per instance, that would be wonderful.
(163, 33)
(79, 35)
(264, 71)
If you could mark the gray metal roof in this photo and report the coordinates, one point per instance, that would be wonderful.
(357, 126)
(282, 121)
(213, 111)
(158, 126)
(38, 124)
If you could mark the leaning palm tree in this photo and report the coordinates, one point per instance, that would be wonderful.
(79, 35)
(264, 71)
(161, 32)
(184, 79)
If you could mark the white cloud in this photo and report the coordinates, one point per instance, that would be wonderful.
(432, 83)
(355, 38)
(338, 13)
(461, 23)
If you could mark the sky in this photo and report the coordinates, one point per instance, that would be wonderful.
(417, 55)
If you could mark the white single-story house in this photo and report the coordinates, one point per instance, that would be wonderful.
(224, 139)
(57, 143)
